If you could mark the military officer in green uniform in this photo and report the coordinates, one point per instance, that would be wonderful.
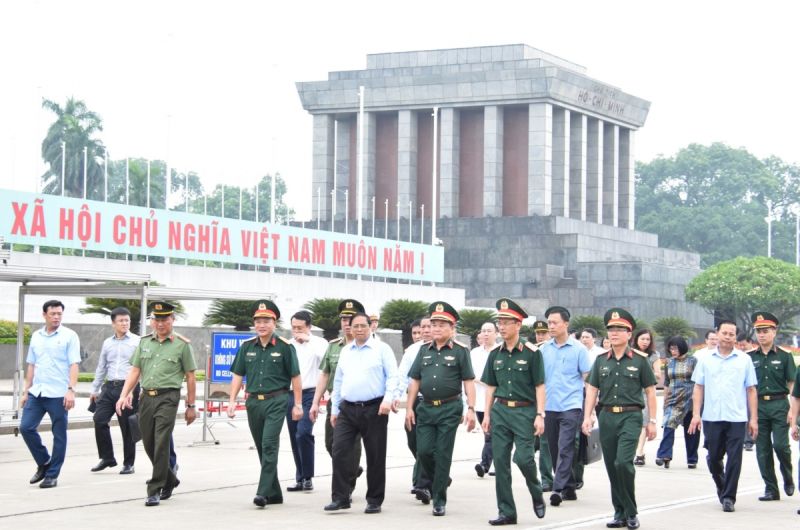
(438, 372)
(542, 332)
(795, 411)
(270, 365)
(162, 360)
(514, 412)
(619, 376)
(775, 371)
(347, 308)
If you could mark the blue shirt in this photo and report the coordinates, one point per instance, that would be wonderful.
(364, 373)
(564, 369)
(405, 365)
(725, 381)
(52, 354)
(115, 359)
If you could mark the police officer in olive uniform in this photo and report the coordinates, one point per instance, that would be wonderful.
(514, 411)
(775, 371)
(347, 308)
(619, 375)
(542, 332)
(439, 370)
(162, 359)
(270, 365)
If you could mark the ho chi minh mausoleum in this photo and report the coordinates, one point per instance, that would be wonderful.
(535, 175)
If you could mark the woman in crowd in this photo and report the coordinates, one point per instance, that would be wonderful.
(678, 388)
(643, 341)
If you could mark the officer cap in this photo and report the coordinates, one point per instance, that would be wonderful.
(558, 309)
(443, 311)
(508, 308)
(350, 307)
(266, 309)
(616, 317)
(762, 319)
(540, 325)
(161, 309)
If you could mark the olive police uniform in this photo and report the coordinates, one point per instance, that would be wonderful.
(330, 360)
(163, 365)
(621, 401)
(440, 372)
(515, 374)
(775, 371)
(545, 462)
(269, 370)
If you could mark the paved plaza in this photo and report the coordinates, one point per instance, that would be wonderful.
(218, 483)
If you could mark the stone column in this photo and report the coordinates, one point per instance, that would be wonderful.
(407, 156)
(493, 161)
(322, 163)
(577, 166)
(561, 162)
(626, 179)
(594, 170)
(540, 158)
(449, 162)
(610, 174)
(343, 165)
(369, 166)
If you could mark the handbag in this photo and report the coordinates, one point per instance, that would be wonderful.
(589, 450)
(133, 426)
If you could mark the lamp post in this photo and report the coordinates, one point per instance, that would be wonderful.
(769, 228)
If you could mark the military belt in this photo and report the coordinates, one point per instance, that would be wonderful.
(153, 392)
(513, 404)
(616, 409)
(773, 397)
(262, 397)
(440, 402)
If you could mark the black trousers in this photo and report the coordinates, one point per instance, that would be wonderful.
(561, 429)
(106, 408)
(725, 437)
(354, 420)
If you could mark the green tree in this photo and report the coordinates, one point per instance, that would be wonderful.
(667, 327)
(581, 322)
(471, 321)
(212, 202)
(236, 313)
(325, 315)
(713, 200)
(400, 313)
(736, 288)
(103, 306)
(8, 332)
(75, 126)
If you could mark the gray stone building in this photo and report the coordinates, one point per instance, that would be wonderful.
(534, 170)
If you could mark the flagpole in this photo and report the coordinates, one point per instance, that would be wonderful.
(433, 175)
(63, 165)
(85, 161)
(360, 187)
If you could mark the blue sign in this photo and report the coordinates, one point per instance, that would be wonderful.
(223, 350)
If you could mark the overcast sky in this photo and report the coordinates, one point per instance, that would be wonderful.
(210, 85)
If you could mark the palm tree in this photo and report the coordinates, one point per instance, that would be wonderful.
(400, 313)
(75, 126)
(471, 320)
(236, 313)
(325, 315)
(103, 306)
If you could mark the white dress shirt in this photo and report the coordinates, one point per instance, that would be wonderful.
(309, 355)
(115, 359)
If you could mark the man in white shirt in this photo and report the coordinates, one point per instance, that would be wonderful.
(487, 341)
(310, 350)
(109, 378)
(588, 337)
(711, 344)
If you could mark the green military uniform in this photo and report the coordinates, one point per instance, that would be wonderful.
(515, 374)
(775, 371)
(620, 383)
(440, 372)
(163, 365)
(269, 370)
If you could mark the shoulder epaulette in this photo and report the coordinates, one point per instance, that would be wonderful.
(460, 344)
(254, 337)
(532, 346)
(750, 352)
(184, 339)
(784, 350)
(334, 341)
(539, 344)
(148, 335)
(639, 352)
(284, 340)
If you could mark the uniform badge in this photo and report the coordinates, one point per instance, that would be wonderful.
(776, 362)
(262, 307)
(504, 304)
(275, 354)
(158, 307)
(439, 308)
(633, 369)
(522, 361)
(614, 315)
(348, 305)
(759, 317)
(449, 358)
(426, 356)
(251, 354)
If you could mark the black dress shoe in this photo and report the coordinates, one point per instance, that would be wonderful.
(101, 465)
(479, 470)
(659, 461)
(49, 482)
(337, 505)
(617, 523)
(372, 508)
(727, 505)
(39, 475)
(748, 447)
(308, 485)
(438, 511)
(788, 489)
(491, 474)
(423, 495)
(692, 466)
(632, 522)
(272, 500)
(769, 496)
(555, 499)
(126, 470)
(503, 520)
(166, 492)
(298, 486)
(579, 485)
(539, 507)
(152, 500)
(260, 501)
(568, 494)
